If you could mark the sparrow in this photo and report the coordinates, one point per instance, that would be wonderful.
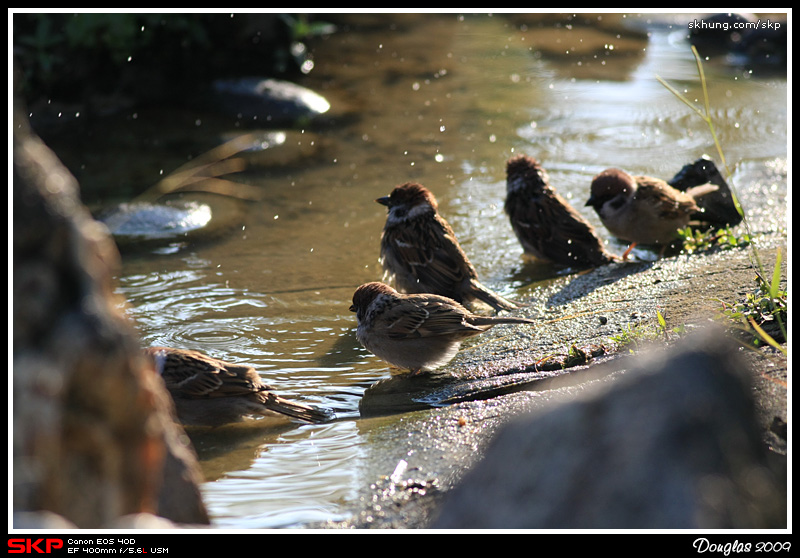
(421, 254)
(547, 226)
(642, 209)
(416, 332)
(212, 392)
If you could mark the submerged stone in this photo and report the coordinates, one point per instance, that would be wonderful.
(156, 220)
(144, 225)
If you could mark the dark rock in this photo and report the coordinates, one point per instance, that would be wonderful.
(261, 102)
(742, 40)
(764, 48)
(672, 444)
(718, 33)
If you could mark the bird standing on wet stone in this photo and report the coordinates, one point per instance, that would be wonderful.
(642, 209)
(212, 392)
(416, 332)
(421, 254)
(547, 226)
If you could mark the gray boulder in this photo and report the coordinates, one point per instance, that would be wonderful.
(672, 444)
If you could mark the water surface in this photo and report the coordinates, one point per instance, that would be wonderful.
(442, 100)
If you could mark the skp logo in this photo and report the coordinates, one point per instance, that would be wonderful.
(29, 546)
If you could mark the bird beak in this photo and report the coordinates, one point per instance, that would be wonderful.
(589, 202)
(352, 307)
(383, 201)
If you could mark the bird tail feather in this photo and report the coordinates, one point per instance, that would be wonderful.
(296, 410)
(492, 299)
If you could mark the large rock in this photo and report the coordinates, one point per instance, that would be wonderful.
(93, 435)
(672, 444)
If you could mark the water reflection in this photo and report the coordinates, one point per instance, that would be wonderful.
(294, 479)
(444, 101)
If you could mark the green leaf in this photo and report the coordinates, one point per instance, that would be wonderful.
(774, 288)
(661, 321)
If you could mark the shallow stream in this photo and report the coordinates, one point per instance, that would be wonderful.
(443, 100)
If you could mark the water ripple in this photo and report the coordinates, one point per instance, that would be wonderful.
(304, 476)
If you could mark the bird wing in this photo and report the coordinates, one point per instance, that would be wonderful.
(669, 205)
(193, 375)
(554, 219)
(428, 316)
(555, 229)
(432, 254)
